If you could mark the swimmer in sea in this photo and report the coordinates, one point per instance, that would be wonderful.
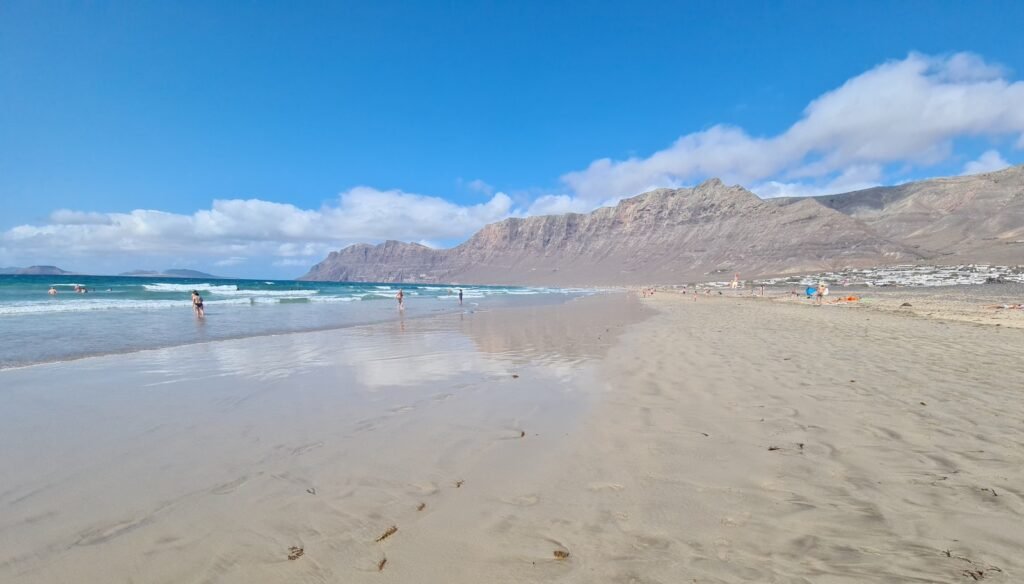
(197, 304)
(52, 291)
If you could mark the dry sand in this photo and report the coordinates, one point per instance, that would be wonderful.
(983, 304)
(725, 440)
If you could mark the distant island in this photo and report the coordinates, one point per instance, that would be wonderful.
(172, 273)
(34, 271)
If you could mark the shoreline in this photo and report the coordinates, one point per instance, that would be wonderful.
(386, 317)
(648, 439)
(169, 452)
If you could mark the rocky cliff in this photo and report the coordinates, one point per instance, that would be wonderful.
(977, 218)
(664, 236)
(708, 232)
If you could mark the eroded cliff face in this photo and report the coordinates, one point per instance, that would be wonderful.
(978, 218)
(664, 236)
(391, 261)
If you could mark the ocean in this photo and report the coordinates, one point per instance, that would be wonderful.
(121, 314)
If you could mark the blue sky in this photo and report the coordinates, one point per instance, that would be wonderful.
(251, 138)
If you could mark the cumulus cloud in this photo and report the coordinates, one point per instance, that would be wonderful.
(480, 186)
(557, 205)
(908, 111)
(236, 229)
(69, 217)
(989, 161)
(854, 178)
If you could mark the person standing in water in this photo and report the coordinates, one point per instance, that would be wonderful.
(52, 291)
(460, 296)
(401, 299)
(197, 304)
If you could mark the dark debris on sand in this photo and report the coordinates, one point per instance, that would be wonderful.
(388, 533)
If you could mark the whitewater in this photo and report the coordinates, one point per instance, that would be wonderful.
(121, 314)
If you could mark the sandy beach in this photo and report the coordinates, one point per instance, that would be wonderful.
(609, 439)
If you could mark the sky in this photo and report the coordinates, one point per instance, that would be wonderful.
(250, 139)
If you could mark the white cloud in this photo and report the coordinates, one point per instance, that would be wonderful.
(989, 161)
(69, 217)
(854, 178)
(558, 204)
(238, 228)
(293, 263)
(480, 186)
(907, 111)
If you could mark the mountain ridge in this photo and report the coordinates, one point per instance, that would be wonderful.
(701, 233)
(976, 218)
(664, 235)
(34, 271)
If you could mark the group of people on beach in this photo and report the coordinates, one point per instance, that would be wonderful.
(79, 289)
(199, 309)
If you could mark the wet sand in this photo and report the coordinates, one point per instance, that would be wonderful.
(208, 463)
(723, 440)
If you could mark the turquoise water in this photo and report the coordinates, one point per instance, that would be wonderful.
(120, 314)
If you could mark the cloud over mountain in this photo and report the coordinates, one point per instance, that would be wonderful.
(236, 228)
(908, 113)
(905, 111)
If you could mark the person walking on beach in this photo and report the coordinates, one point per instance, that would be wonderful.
(197, 304)
(401, 299)
(460, 296)
(821, 292)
